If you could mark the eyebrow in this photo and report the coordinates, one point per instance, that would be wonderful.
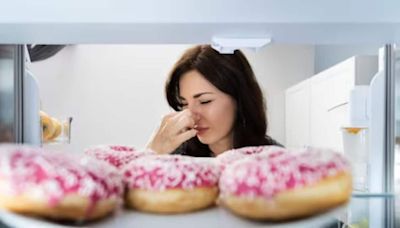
(197, 95)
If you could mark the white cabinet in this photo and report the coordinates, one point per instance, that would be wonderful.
(317, 108)
(298, 114)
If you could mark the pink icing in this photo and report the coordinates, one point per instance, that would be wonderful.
(230, 156)
(52, 175)
(116, 155)
(160, 172)
(267, 174)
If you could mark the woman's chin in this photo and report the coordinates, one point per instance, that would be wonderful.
(203, 140)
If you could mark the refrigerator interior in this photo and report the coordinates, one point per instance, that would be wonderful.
(81, 82)
(115, 92)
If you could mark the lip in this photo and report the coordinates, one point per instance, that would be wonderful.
(201, 130)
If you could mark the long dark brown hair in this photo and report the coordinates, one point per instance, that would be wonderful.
(233, 75)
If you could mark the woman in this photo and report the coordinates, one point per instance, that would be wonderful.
(219, 106)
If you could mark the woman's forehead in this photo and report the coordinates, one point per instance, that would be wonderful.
(194, 84)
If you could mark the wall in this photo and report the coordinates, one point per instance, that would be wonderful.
(277, 68)
(115, 92)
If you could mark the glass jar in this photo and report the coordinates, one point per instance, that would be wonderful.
(355, 147)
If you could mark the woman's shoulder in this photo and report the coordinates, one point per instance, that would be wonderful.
(269, 141)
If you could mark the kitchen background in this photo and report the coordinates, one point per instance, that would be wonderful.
(115, 93)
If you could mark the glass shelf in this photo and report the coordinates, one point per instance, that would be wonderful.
(372, 210)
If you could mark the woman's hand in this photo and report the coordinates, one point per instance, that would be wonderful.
(175, 129)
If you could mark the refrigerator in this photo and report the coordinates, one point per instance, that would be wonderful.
(227, 26)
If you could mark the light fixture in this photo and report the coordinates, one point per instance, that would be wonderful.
(227, 45)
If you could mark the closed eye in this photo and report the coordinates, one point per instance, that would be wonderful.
(205, 102)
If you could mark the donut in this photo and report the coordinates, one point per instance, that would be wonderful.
(51, 185)
(48, 128)
(170, 184)
(230, 156)
(278, 186)
(115, 155)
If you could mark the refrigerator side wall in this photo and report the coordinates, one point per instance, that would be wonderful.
(11, 76)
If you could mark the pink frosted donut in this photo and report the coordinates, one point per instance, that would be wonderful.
(116, 155)
(50, 184)
(286, 185)
(230, 156)
(171, 183)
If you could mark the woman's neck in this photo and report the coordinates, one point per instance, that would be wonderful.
(221, 146)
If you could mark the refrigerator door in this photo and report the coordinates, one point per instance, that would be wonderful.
(388, 215)
(396, 110)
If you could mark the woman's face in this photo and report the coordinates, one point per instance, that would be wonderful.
(214, 111)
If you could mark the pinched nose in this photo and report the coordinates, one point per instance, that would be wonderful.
(194, 108)
(196, 117)
(196, 112)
